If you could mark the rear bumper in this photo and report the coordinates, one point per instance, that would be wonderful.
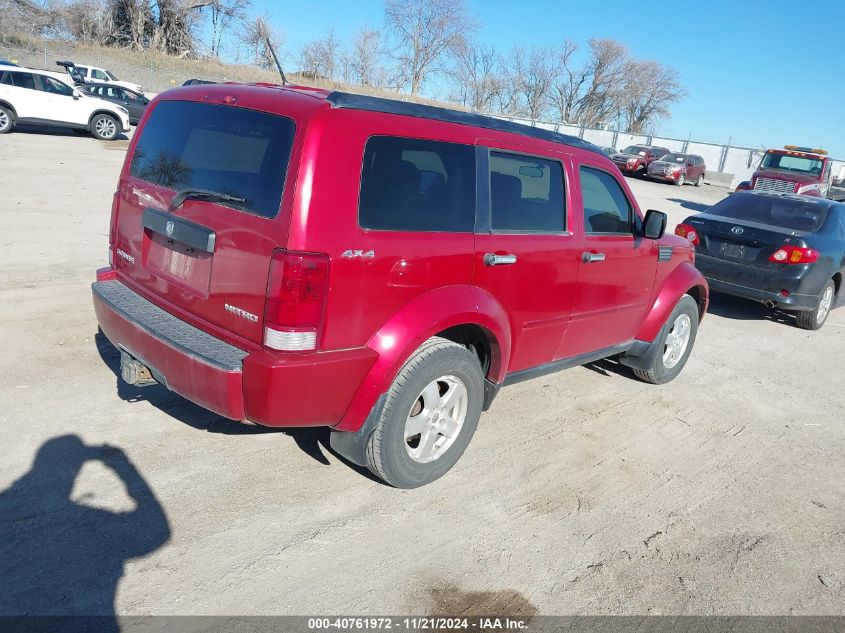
(760, 284)
(302, 389)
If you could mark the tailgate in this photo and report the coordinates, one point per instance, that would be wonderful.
(208, 256)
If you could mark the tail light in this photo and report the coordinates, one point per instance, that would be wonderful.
(689, 232)
(296, 298)
(745, 185)
(794, 255)
(113, 226)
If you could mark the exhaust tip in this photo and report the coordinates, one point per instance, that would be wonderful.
(769, 304)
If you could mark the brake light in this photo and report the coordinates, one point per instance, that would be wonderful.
(794, 255)
(689, 232)
(296, 297)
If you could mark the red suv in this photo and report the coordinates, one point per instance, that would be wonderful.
(635, 159)
(294, 257)
(678, 169)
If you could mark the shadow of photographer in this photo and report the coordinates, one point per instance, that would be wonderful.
(61, 557)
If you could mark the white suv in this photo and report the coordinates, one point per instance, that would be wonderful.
(91, 75)
(43, 98)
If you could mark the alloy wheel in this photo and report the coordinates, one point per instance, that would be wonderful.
(436, 418)
(106, 127)
(825, 304)
(676, 341)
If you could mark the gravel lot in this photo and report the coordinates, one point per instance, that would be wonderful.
(585, 492)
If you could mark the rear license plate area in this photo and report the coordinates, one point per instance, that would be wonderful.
(735, 251)
(178, 263)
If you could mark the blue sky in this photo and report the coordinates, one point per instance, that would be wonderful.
(759, 73)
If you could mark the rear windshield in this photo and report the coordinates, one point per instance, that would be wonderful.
(785, 213)
(242, 153)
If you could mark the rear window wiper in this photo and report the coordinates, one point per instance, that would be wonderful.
(204, 194)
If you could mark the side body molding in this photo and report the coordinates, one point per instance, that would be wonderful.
(419, 320)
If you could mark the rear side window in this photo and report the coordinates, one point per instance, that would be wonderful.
(417, 185)
(606, 207)
(239, 152)
(23, 80)
(785, 213)
(526, 194)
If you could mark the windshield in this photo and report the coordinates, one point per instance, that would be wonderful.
(785, 213)
(674, 158)
(111, 75)
(234, 151)
(634, 149)
(797, 164)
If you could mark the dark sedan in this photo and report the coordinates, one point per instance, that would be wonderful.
(784, 250)
(133, 101)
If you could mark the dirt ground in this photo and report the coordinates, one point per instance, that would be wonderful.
(584, 492)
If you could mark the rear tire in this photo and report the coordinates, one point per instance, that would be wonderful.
(815, 319)
(675, 342)
(105, 127)
(429, 417)
(7, 120)
(699, 181)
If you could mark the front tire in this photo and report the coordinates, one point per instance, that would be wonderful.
(7, 120)
(674, 344)
(105, 127)
(815, 319)
(429, 417)
(682, 179)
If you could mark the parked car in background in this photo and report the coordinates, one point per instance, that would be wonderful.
(134, 102)
(195, 82)
(6, 62)
(40, 97)
(416, 260)
(93, 75)
(610, 151)
(635, 159)
(793, 169)
(784, 250)
(678, 169)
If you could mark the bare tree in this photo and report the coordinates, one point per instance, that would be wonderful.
(255, 37)
(424, 31)
(475, 71)
(530, 75)
(649, 89)
(363, 62)
(321, 58)
(224, 13)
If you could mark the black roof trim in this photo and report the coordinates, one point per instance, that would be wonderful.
(393, 106)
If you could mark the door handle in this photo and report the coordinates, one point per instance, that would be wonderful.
(589, 258)
(491, 259)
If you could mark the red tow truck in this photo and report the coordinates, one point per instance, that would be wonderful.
(793, 169)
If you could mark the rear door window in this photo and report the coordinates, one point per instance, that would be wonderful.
(234, 151)
(417, 185)
(526, 194)
(23, 80)
(48, 84)
(606, 207)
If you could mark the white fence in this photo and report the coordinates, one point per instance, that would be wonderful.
(740, 162)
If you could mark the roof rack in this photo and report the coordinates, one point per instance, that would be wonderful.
(392, 106)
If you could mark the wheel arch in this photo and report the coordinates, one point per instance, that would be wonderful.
(686, 279)
(9, 106)
(113, 115)
(837, 281)
(461, 313)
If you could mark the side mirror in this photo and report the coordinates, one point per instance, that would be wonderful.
(654, 225)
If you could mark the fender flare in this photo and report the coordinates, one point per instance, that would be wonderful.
(113, 115)
(416, 322)
(9, 106)
(685, 278)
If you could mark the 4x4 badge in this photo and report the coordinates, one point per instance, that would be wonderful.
(352, 254)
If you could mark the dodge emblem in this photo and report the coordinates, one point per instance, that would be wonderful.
(169, 227)
(738, 230)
